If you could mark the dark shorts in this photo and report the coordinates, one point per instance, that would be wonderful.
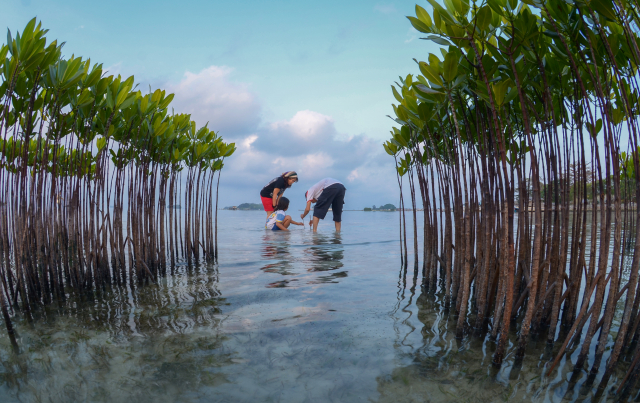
(332, 196)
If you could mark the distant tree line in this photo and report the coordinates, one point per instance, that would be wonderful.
(245, 206)
(386, 207)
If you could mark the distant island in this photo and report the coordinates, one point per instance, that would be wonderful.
(386, 207)
(245, 206)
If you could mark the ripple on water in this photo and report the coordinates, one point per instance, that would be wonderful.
(285, 317)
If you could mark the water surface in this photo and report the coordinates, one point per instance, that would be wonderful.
(289, 317)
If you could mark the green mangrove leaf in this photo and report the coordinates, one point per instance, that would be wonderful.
(496, 7)
(101, 143)
(396, 95)
(461, 6)
(483, 18)
(387, 148)
(450, 67)
(604, 7)
(85, 97)
(450, 6)
(419, 25)
(166, 101)
(436, 18)
(499, 92)
(401, 113)
(434, 62)
(400, 140)
(405, 133)
(444, 14)
(458, 81)
(424, 89)
(439, 40)
(618, 116)
(423, 16)
(511, 95)
(430, 74)
(425, 111)
(613, 43)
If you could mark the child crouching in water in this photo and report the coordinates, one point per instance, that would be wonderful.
(278, 221)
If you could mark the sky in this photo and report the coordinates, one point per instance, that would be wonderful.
(297, 85)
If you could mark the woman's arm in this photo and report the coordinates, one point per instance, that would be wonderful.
(274, 200)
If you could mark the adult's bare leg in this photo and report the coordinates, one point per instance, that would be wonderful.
(316, 220)
(336, 205)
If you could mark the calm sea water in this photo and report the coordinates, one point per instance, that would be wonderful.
(290, 317)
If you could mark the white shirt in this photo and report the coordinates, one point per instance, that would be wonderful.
(276, 216)
(316, 190)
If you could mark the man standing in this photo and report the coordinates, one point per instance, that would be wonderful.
(326, 193)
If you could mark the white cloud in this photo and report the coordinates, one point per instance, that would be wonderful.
(306, 132)
(211, 96)
(307, 142)
(305, 124)
(411, 35)
(316, 165)
(249, 140)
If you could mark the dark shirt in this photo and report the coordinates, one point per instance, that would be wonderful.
(278, 182)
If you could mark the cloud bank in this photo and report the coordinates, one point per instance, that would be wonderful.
(307, 142)
(211, 96)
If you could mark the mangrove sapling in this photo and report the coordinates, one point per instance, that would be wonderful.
(80, 153)
(543, 101)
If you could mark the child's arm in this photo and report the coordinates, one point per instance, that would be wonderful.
(297, 223)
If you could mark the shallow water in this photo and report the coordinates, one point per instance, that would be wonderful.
(284, 317)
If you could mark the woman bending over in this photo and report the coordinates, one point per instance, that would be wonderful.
(274, 190)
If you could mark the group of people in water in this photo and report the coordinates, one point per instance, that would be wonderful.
(328, 193)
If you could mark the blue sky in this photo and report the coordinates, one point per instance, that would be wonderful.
(299, 85)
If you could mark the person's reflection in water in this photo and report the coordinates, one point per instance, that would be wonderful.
(275, 250)
(326, 254)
